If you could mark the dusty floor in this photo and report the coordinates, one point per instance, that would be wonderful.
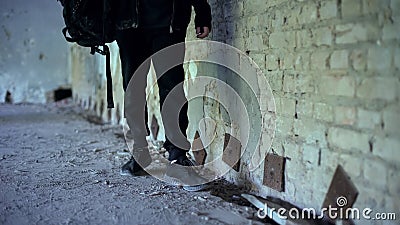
(57, 168)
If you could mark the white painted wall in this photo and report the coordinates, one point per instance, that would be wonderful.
(33, 57)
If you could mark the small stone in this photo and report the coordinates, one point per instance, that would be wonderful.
(156, 193)
(200, 199)
(235, 197)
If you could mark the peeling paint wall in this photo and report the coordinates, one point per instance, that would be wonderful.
(89, 82)
(33, 57)
(333, 69)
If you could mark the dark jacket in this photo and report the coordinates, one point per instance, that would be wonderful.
(128, 10)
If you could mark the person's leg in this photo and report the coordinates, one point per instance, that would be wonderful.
(134, 49)
(174, 111)
(173, 105)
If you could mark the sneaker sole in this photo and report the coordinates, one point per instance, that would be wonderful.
(124, 173)
(195, 188)
(176, 182)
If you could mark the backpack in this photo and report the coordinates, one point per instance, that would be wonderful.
(90, 23)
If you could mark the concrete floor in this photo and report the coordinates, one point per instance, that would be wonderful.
(57, 168)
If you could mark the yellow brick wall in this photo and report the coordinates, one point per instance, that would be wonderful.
(333, 67)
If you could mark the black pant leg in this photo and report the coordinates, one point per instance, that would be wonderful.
(173, 107)
(134, 49)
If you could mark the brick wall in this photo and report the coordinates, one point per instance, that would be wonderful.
(333, 67)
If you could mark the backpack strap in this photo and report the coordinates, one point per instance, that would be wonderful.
(110, 99)
(69, 39)
(106, 52)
